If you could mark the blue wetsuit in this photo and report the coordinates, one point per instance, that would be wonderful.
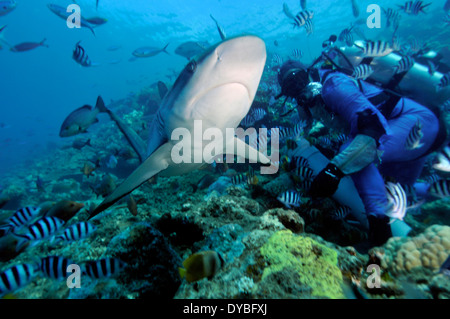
(343, 96)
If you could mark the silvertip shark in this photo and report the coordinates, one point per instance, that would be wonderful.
(217, 88)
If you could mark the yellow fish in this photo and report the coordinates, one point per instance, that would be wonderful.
(200, 265)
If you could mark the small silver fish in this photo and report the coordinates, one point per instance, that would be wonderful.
(27, 46)
(146, 52)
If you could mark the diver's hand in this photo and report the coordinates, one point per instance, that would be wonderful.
(326, 183)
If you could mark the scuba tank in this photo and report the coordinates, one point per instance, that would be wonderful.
(416, 83)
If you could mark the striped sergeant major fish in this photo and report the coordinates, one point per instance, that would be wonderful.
(78, 231)
(44, 228)
(222, 34)
(248, 178)
(443, 160)
(346, 36)
(414, 137)
(277, 59)
(297, 53)
(444, 82)
(405, 64)
(440, 189)
(392, 16)
(55, 267)
(80, 56)
(102, 268)
(17, 277)
(258, 114)
(375, 48)
(414, 7)
(397, 201)
(21, 218)
(340, 213)
(302, 18)
(300, 161)
(362, 71)
(290, 199)
(309, 26)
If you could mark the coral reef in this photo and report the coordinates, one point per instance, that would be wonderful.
(315, 264)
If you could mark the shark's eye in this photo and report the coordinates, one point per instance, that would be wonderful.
(192, 66)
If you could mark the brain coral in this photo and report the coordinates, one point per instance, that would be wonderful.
(428, 250)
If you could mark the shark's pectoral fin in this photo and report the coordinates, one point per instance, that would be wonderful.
(252, 154)
(154, 164)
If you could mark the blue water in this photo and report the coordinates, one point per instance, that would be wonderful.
(39, 88)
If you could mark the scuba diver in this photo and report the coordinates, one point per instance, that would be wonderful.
(379, 120)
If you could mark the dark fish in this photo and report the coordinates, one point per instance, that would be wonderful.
(414, 7)
(222, 34)
(114, 47)
(63, 14)
(191, 48)
(103, 268)
(16, 277)
(447, 5)
(414, 137)
(362, 71)
(404, 64)
(42, 229)
(146, 52)
(355, 8)
(204, 182)
(106, 187)
(132, 205)
(276, 42)
(78, 231)
(97, 21)
(64, 210)
(80, 56)
(40, 184)
(290, 198)
(7, 6)
(162, 89)
(201, 265)
(88, 169)
(80, 120)
(55, 267)
(27, 46)
(79, 143)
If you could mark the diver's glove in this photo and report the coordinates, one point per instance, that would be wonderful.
(326, 183)
(379, 230)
